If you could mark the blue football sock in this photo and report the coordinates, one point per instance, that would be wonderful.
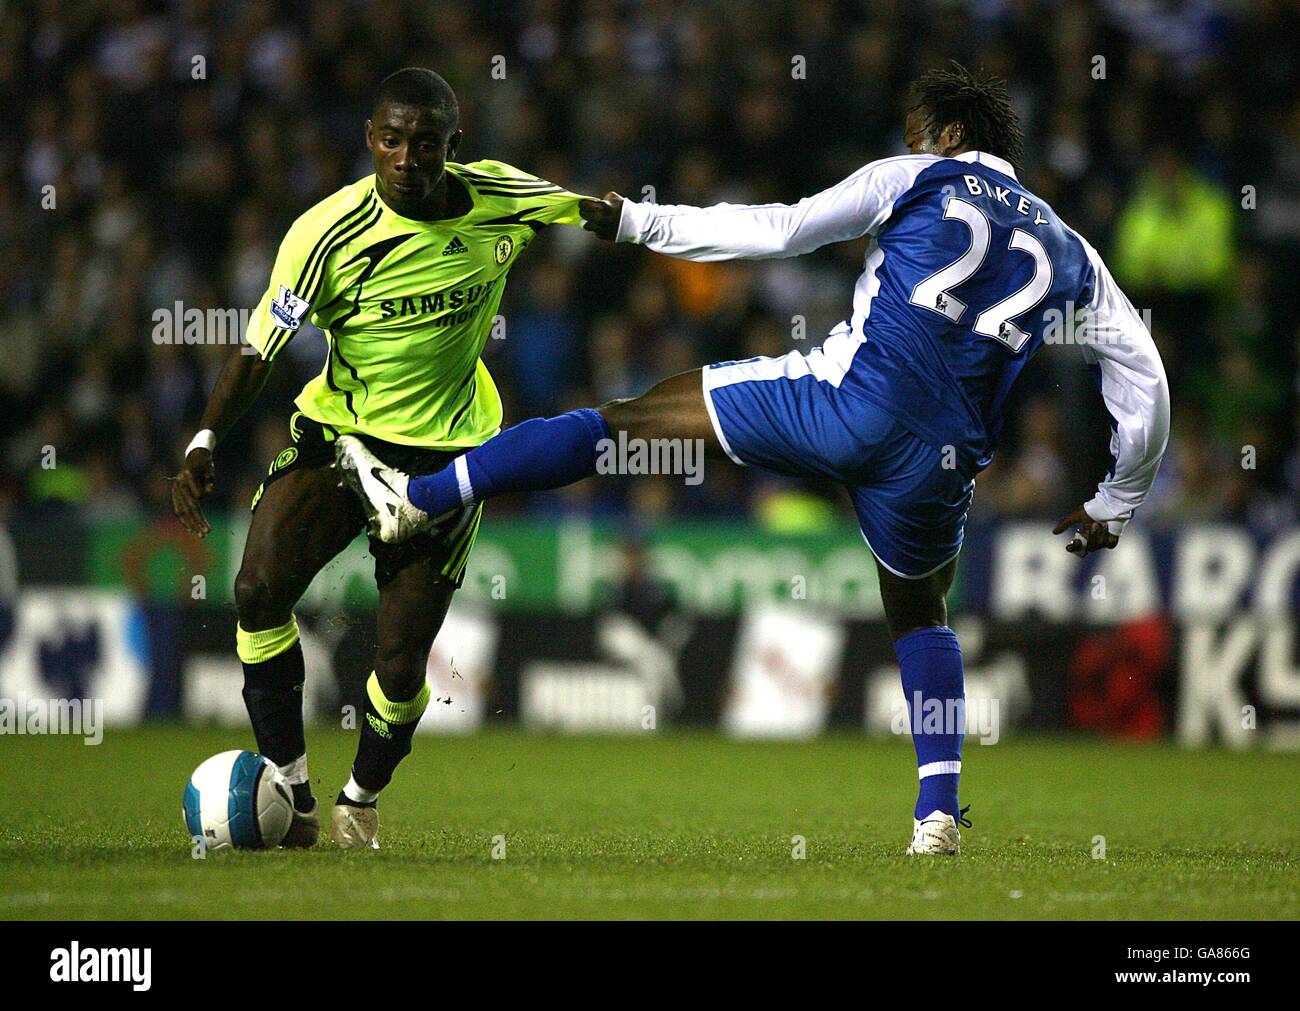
(533, 455)
(930, 660)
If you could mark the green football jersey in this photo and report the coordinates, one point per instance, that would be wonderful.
(406, 306)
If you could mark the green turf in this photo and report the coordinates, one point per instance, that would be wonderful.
(667, 825)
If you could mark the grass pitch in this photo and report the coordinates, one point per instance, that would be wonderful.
(673, 824)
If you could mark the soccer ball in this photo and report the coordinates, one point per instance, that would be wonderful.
(239, 799)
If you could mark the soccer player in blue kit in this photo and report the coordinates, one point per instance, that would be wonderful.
(966, 273)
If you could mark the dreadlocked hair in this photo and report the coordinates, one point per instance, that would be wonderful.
(976, 101)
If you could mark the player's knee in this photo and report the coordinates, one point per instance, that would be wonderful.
(672, 410)
(257, 601)
(399, 681)
(913, 605)
(915, 614)
(400, 667)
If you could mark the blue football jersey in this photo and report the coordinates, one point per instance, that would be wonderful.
(967, 274)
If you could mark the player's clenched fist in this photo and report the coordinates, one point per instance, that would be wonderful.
(197, 478)
(601, 216)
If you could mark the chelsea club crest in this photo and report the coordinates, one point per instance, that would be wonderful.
(505, 246)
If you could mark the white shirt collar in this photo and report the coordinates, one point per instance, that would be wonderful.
(991, 160)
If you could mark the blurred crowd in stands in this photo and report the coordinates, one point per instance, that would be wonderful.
(155, 153)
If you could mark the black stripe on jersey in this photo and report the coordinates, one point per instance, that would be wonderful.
(539, 191)
(373, 255)
(325, 242)
(329, 376)
(470, 377)
(350, 232)
(277, 343)
(277, 335)
(517, 219)
(473, 390)
(496, 184)
(344, 231)
(479, 177)
(515, 186)
(281, 335)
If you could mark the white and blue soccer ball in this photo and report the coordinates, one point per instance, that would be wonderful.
(239, 799)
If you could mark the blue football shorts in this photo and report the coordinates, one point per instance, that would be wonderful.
(777, 414)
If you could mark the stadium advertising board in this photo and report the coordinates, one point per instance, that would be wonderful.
(1009, 570)
(766, 672)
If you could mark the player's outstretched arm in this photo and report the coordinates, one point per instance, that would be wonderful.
(848, 210)
(241, 381)
(1133, 385)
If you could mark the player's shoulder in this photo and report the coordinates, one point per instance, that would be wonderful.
(902, 168)
(491, 175)
(1097, 274)
(1089, 250)
(490, 168)
(351, 203)
(903, 163)
(888, 179)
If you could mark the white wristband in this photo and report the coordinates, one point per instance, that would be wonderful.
(206, 439)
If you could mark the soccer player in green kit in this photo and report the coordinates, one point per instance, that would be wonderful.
(403, 271)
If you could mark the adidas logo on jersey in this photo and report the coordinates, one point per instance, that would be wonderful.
(454, 247)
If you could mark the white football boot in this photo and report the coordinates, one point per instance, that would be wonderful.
(935, 835)
(382, 490)
(355, 827)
